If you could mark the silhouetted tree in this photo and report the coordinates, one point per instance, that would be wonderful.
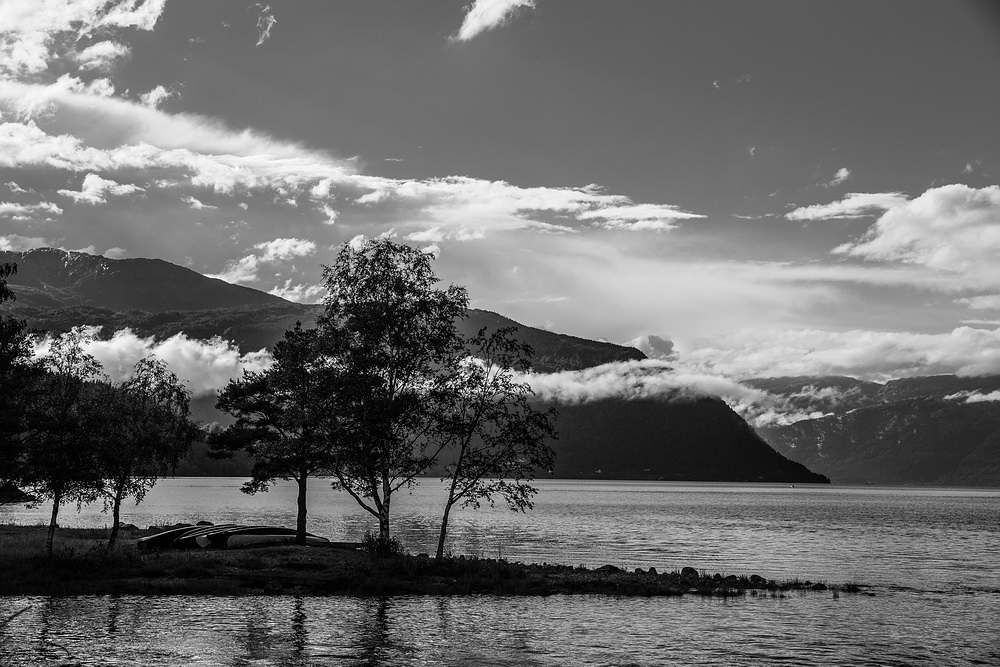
(18, 375)
(60, 461)
(285, 418)
(497, 438)
(393, 335)
(146, 428)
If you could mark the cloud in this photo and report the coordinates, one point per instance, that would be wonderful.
(156, 97)
(35, 33)
(953, 229)
(205, 365)
(20, 243)
(196, 204)
(638, 217)
(654, 347)
(483, 15)
(265, 23)
(869, 355)
(96, 190)
(300, 293)
(854, 205)
(116, 253)
(974, 397)
(842, 175)
(101, 56)
(982, 302)
(28, 210)
(653, 379)
(244, 270)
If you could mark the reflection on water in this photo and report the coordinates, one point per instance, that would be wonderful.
(803, 629)
(931, 554)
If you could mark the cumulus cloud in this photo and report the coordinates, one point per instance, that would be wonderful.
(300, 293)
(483, 15)
(96, 190)
(28, 210)
(116, 253)
(205, 365)
(20, 243)
(244, 270)
(869, 355)
(196, 204)
(854, 205)
(156, 97)
(35, 33)
(654, 347)
(953, 229)
(842, 175)
(101, 55)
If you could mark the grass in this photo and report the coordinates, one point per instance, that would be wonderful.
(81, 564)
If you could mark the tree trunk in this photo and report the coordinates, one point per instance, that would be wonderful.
(300, 523)
(383, 514)
(116, 512)
(56, 501)
(444, 530)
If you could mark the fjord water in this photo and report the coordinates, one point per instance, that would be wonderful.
(930, 556)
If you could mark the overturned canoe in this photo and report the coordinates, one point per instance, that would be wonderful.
(220, 536)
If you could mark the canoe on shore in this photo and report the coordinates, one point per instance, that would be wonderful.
(222, 536)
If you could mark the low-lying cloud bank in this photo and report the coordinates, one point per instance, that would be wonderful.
(866, 355)
(974, 397)
(658, 380)
(204, 365)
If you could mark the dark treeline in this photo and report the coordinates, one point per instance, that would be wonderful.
(383, 389)
(70, 435)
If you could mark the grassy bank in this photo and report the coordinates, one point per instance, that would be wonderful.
(82, 565)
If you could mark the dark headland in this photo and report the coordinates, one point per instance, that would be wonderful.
(81, 565)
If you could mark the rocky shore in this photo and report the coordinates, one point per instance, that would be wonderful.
(81, 565)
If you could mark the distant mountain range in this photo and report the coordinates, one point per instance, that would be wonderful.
(684, 439)
(939, 430)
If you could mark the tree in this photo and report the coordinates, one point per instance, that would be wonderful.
(146, 428)
(18, 375)
(60, 461)
(497, 438)
(284, 418)
(393, 337)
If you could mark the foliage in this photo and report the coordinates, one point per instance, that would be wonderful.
(146, 429)
(285, 417)
(60, 461)
(18, 376)
(498, 439)
(394, 338)
(375, 545)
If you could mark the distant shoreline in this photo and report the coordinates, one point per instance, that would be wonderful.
(81, 565)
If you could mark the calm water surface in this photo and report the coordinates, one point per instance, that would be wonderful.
(932, 557)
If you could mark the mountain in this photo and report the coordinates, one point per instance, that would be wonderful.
(58, 289)
(59, 278)
(683, 439)
(940, 430)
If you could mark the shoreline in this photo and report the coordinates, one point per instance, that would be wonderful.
(82, 565)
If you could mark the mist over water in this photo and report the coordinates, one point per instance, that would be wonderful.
(930, 556)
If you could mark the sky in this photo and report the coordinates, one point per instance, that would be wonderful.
(774, 187)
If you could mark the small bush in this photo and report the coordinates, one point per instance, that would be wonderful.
(378, 546)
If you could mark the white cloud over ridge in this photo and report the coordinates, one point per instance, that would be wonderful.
(244, 270)
(974, 397)
(205, 365)
(483, 15)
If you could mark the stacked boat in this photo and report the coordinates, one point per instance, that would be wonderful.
(222, 536)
